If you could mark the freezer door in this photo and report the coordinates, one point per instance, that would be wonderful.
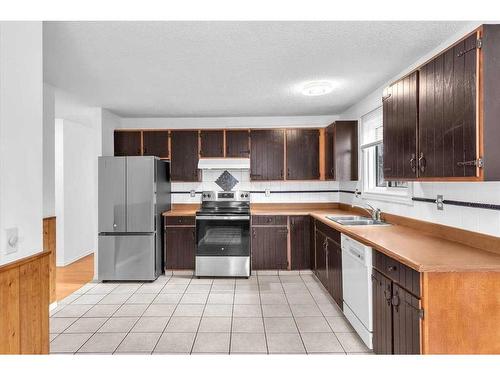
(140, 194)
(111, 194)
(126, 257)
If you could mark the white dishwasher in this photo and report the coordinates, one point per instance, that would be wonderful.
(357, 287)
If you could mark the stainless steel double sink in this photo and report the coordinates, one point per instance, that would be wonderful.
(355, 220)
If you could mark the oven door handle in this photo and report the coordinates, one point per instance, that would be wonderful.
(222, 218)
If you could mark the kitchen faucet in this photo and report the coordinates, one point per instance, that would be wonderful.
(374, 213)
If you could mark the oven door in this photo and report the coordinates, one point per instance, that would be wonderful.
(223, 235)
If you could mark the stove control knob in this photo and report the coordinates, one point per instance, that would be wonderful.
(246, 195)
(242, 195)
(204, 195)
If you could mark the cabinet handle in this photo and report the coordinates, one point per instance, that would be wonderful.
(422, 162)
(288, 172)
(281, 173)
(396, 301)
(387, 295)
(413, 165)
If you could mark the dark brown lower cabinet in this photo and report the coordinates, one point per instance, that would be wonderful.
(328, 257)
(396, 317)
(269, 247)
(334, 270)
(300, 242)
(382, 313)
(179, 247)
(320, 256)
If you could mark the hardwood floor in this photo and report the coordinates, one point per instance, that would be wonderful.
(74, 276)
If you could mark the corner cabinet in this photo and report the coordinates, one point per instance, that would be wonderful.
(341, 151)
(441, 121)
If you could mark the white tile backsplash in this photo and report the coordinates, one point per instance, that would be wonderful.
(243, 176)
(474, 219)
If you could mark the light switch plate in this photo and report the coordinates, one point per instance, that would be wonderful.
(439, 202)
(268, 192)
(12, 237)
(192, 193)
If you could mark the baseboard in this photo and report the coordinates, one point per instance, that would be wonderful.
(75, 259)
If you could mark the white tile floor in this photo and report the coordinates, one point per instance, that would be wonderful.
(266, 314)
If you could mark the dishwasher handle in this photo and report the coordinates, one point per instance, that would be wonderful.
(353, 253)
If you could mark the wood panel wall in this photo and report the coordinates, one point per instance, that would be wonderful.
(24, 303)
(49, 245)
(462, 313)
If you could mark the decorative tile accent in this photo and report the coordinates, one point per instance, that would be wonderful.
(226, 181)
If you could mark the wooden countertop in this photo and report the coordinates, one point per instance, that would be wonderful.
(414, 248)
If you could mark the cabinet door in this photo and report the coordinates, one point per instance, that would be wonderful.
(212, 143)
(382, 313)
(447, 113)
(400, 128)
(406, 322)
(320, 247)
(127, 143)
(269, 248)
(346, 150)
(329, 152)
(334, 258)
(155, 143)
(237, 144)
(302, 154)
(184, 158)
(300, 238)
(179, 247)
(267, 154)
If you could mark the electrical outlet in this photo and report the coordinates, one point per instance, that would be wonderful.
(12, 236)
(268, 192)
(192, 193)
(439, 202)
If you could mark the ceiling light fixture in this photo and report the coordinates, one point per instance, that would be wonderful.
(317, 88)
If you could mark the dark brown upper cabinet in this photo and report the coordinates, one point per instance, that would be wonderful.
(212, 143)
(267, 154)
(341, 151)
(127, 143)
(455, 94)
(155, 143)
(302, 154)
(447, 113)
(184, 155)
(237, 144)
(400, 107)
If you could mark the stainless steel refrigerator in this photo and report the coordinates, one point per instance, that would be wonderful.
(133, 192)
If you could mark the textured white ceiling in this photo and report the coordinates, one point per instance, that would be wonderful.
(190, 69)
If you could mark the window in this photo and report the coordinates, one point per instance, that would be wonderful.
(374, 186)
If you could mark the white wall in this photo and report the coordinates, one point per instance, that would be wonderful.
(21, 155)
(77, 148)
(479, 220)
(49, 207)
(110, 122)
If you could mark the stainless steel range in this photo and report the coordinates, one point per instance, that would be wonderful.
(223, 234)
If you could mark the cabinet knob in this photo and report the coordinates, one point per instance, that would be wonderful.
(391, 268)
(413, 165)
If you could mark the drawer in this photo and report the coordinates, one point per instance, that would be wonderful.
(269, 220)
(333, 234)
(401, 274)
(180, 220)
